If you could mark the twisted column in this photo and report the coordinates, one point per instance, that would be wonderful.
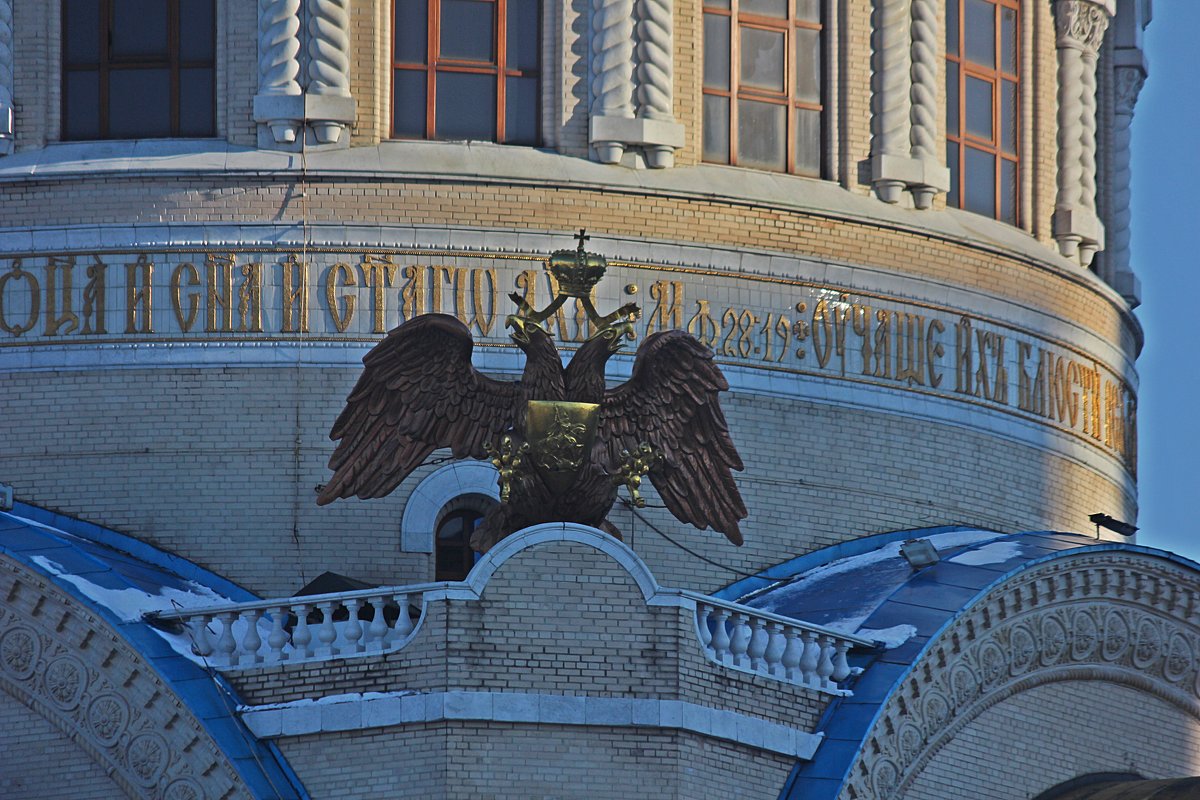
(890, 92)
(6, 78)
(278, 67)
(923, 135)
(1080, 26)
(612, 70)
(656, 72)
(1127, 84)
(328, 63)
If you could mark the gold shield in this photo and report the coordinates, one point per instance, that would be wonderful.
(560, 437)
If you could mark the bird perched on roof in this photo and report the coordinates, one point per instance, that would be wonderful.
(562, 441)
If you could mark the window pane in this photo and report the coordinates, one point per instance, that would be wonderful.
(1008, 191)
(952, 27)
(952, 197)
(716, 51)
(808, 65)
(762, 59)
(808, 10)
(139, 29)
(196, 30)
(82, 96)
(1008, 116)
(980, 32)
(411, 33)
(761, 135)
(716, 129)
(717, 4)
(408, 103)
(766, 8)
(196, 102)
(979, 108)
(467, 30)
(808, 142)
(979, 182)
(521, 110)
(466, 106)
(952, 99)
(1008, 40)
(522, 36)
(83, 31)
(139, 103)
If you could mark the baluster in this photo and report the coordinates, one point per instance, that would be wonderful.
(225, 642)
(327, 634)
(251, 640)
(758, 644)
(810, 659)
(825, 668)
(202, 644)
(302, 636)
(353, 630)
(278, 637)
(841, 667)
(378, 629)
(404, 624)
(703, 611)
(775, 648)
(720, 640)
(740, 641)
(792, 655)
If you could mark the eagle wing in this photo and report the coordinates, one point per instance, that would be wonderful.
(418, 392)
(671, 403)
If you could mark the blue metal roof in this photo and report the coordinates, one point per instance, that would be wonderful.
(867, 586)
(89, 562)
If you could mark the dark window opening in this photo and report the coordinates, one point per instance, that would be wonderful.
(138, 69)
(454, 556)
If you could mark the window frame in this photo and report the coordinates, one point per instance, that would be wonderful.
(787, 98)
(435, 63)
(962, 139)
(106, 63)
(463, 550)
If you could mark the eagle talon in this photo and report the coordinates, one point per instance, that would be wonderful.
(633, 467)
(508, 458)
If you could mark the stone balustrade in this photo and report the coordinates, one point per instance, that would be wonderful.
(309, 628)
(774, 646)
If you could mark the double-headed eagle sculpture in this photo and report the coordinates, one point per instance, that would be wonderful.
(562, 442)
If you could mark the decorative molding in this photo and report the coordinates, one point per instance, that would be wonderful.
(433, 493)
(358, 712)
(67, 665)
(612, 72)
(1080, 27)
(7, 121)
(1110, 616)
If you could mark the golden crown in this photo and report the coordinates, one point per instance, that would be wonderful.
(577, 271)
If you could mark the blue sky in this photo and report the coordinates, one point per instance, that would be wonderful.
(1165, 239)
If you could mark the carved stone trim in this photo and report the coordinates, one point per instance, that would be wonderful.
(67, 665)
(1116, 617)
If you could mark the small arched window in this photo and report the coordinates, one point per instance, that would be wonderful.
(452, 544)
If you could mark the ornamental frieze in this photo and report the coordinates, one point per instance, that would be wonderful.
(1125, 620)
(60, 661)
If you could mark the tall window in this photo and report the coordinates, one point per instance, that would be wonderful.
(982, 89)
(138, 68)
(454, 557)
(466, 69)
(762, 84)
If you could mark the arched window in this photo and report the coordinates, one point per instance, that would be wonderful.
(134, 69)
(452, 544)
(762, 84)
(466, 69)
(982, 108)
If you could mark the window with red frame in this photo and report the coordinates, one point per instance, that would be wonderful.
(762, 84)
(466, 69)
(982, 106)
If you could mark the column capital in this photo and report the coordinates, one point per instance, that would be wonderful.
(1081, 24)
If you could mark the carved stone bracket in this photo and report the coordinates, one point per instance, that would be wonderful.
(318, 95)
(1080, 27)
(7, 123)
(1117, 617)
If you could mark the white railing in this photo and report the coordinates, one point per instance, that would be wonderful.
(762, 643)
(310, 628)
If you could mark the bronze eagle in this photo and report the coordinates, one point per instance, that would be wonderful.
(419, 392)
